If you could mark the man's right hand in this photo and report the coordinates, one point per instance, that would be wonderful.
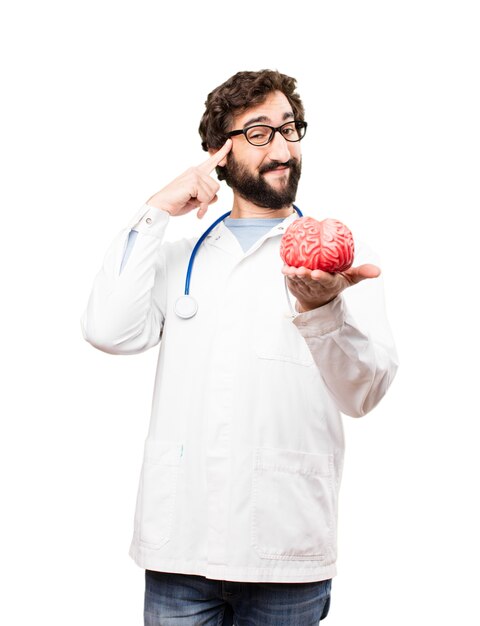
(194, 188)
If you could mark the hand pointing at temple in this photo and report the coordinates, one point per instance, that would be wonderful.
(195, 188)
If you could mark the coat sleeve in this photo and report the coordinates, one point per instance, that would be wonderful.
(126, 309)
(352, 345)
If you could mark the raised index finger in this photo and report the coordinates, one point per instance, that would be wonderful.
(211, 163)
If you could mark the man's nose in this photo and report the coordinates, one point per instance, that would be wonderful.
(279, 148)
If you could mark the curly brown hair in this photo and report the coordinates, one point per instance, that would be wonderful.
(236, 95)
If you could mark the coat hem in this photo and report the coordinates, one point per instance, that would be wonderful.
(272, 573)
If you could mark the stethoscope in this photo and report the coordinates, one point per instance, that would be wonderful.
(186, 306)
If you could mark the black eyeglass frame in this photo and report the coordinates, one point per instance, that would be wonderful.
(298, 124)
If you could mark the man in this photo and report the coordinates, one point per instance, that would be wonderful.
(237, 505)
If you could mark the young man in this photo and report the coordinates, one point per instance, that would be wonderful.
(237, 505)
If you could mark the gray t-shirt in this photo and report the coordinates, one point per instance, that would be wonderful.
(249, 230)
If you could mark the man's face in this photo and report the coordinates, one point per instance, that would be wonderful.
(265, 175)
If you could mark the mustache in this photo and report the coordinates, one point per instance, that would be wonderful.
(274, 164)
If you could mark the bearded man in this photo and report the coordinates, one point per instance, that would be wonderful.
(236, 513)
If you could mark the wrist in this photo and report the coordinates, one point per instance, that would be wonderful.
(159, 203)
(304, 307)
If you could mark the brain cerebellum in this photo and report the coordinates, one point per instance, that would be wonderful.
(326, 245)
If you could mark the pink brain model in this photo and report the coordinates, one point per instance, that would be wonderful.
(326, 245)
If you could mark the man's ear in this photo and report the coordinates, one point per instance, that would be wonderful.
(212, 151)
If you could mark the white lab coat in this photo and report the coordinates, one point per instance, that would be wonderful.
(244, 453)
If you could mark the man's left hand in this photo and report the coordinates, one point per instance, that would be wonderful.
(314, 288)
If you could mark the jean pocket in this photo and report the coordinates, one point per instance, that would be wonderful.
(158, 489)
(294, 505)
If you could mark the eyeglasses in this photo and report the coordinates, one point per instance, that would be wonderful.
(263, 134)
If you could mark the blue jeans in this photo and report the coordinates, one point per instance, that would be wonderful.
(189, 600)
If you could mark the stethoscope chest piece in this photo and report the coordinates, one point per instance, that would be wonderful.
(186, 307)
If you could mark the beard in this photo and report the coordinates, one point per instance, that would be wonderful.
(258, 190)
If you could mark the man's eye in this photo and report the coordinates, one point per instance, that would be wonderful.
(258, 134)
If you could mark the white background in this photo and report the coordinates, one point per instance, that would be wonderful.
(100, 107)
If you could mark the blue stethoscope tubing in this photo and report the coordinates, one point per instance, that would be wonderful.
(186, 306)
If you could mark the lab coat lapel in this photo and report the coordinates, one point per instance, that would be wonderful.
(221, 237)
(277, 231)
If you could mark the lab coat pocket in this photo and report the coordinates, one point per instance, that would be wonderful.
(281, 341)
(294, 505)
(158, 487)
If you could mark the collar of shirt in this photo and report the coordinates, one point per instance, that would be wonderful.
(222, 237)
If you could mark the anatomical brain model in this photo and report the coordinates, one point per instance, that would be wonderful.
(326, 245)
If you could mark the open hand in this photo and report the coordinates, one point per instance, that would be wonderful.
(314, 288)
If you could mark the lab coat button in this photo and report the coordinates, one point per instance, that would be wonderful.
(149, 220)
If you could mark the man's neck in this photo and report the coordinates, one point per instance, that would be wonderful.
(243, 208)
